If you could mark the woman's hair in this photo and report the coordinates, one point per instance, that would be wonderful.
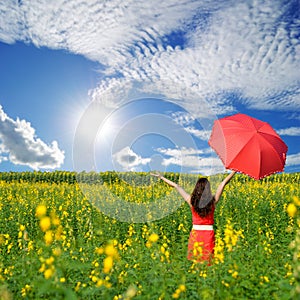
(202, 199)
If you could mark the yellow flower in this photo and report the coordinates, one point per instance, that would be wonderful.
(291, 210)
(30, 246)
(225, 283)
(48, 237)
(110, 250)
(203, 274)
(42, 268)
(40, 211)
(25, 290)
(99, 282)
(56, 251)
(50, 260)
(153, 238)
(182, 287)
(58, 233)
(181, 226)
(107, 264)
(45, 223)
(296, 200)
(55, 221)
(49, 273)
(78, 284)
(99, 250)
(264, 279)
(178, 291)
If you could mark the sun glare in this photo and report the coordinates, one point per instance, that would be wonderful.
(108, 129)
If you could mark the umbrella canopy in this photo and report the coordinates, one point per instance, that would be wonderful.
(248, 145)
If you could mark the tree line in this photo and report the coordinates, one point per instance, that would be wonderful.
(111, 177)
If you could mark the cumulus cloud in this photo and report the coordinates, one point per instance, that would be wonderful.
(293, 159)
(129, 160)
(202, 161)
(196, 160)
(186, 157)
(18, 140)
(291, 131)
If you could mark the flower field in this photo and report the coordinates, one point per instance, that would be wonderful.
(57, 243)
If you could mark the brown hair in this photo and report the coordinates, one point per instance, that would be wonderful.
(202, 199)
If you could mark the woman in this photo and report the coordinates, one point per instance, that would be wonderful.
(202, 203)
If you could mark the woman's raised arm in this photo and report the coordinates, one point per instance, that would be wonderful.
(222, 185)
(179, 189)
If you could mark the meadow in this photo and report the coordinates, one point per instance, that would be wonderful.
(58, 241)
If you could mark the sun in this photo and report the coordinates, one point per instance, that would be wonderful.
(106, 129)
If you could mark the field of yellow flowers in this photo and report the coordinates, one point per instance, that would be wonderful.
(57, 244)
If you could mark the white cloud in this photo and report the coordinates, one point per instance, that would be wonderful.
(111, 93)
(129, 160)
(292, 131)
(246, 49)
(10, 22)
(19, 141)
(255, 49)
(293, 160)
(239, 46)
(201, 134)
(196, 160)
(187, 122)
(182, 118)
(100, 30)
(179, 152)
(187, 157)
(3, 158)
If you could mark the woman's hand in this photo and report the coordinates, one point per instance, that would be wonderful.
(156, 175)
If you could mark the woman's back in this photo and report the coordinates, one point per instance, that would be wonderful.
(207, 220)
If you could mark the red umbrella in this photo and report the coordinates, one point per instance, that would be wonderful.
(248, 145)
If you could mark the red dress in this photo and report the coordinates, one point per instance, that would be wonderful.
(201, 242)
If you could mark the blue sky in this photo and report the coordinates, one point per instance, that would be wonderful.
(136, 85)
